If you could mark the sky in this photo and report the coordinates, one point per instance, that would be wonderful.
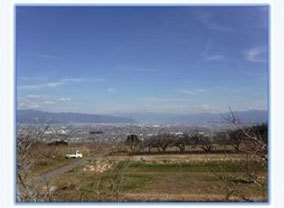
(159, 59)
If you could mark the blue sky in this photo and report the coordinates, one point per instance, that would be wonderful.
(142, 59)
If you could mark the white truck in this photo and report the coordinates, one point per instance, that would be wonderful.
(77, 154)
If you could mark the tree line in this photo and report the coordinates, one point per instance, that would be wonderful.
(163, 142)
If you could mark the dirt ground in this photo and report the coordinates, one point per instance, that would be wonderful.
(182, 158)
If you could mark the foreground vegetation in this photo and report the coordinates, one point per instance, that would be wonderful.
(232, 167)
(129, 179)
(157, 177)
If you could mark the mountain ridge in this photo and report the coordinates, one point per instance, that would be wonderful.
(37, 117)
(249, 116)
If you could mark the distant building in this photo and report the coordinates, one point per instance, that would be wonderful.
(62, 131)
(96, 132)
(179, 133)
(48, 132)
(201, 133)
(57, 142)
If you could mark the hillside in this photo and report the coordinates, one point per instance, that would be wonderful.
(39, 117)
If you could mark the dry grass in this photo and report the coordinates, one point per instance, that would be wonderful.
(184, 158)
(156, 180)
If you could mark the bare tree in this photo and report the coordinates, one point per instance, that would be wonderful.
(255, 150)
(133, 142)
(256, 142)
(147, 143)
(182, 141)
(206, 143)
(27, 190)
(236, 138)
(164, 141)
(25, 162)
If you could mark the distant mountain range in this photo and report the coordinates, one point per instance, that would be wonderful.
(250, 116)
(39, 117)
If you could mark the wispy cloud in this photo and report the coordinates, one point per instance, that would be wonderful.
(40, 86)
(256, 54)
(213, 57)
(208, 19)
(48, 102)
(64, 99)
(30, 103)
(53, 84)
(208, 55)
(192, 91)
(39, 101)
(27, 104)
(33, 96)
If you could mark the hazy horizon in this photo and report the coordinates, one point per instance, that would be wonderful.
(127, 60)
(145, 113)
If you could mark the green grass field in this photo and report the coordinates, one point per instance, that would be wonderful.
(152, 181)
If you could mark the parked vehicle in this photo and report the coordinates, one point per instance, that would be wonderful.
(77, 154)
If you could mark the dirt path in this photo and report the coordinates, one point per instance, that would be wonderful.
(59, 171)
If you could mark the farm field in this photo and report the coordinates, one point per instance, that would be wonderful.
(162, 168)
(157, 178)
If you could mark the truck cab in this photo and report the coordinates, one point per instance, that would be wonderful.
(77, 154)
